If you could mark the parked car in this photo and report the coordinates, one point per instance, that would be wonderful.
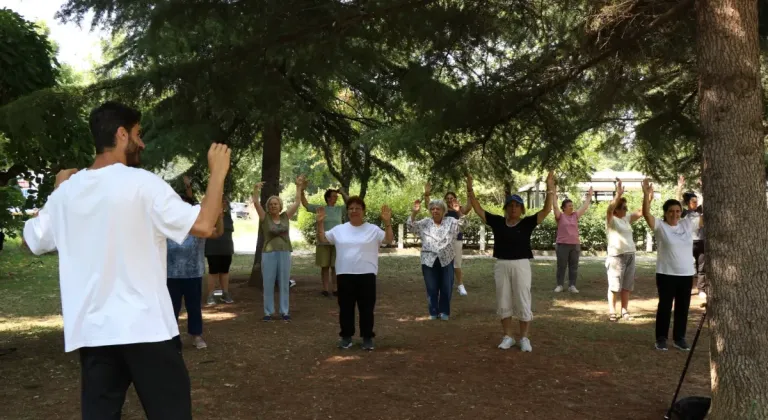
(239, 210)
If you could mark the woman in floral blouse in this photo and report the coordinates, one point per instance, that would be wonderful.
(437, 235)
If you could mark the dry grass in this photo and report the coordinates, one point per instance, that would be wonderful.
(582, 367)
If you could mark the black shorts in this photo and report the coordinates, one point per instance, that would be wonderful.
(219, 264)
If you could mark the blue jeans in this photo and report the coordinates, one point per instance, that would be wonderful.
(439, 282)
(276, 266)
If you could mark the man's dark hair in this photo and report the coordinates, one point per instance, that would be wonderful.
(107, 119)
(355, 200)
(688, 196)
(328, 195)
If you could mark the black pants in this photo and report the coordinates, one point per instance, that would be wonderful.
(699, 260)
(156, 370)
(675, 289)
(360, 290)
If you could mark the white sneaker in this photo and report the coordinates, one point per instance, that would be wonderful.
(199, 343)
(462, 290)
(573, 289)
(525, 345)
(291, 283)
(507, 343)
(558, 289)
(702, 295)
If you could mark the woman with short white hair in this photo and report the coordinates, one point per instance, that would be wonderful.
(437, 253)
(274, 224)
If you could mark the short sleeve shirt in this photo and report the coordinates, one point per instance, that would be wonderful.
(511, 242)
(110, 226)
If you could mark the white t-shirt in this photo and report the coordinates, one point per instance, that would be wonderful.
(675, 248)
(357, 248)
(620, 239)
(110, 227)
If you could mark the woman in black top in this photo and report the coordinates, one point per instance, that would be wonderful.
(512, 250)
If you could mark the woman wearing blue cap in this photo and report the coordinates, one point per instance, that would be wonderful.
(512, 250)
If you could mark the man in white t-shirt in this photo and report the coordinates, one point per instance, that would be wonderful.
(109, 224)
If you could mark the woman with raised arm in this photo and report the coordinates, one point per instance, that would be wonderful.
(186, 266)
(512, 250)
(620, 262)
(274, 224)
(568, 244)
(357, 264)
(325, 254)
(674, 267)
(456, 211)
(437, 234)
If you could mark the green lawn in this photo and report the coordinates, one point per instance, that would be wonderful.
(582, 366)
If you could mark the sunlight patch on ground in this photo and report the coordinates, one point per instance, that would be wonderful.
(24, 323)
(414, 319)
(341, 359)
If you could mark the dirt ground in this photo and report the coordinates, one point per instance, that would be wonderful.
(581, 367)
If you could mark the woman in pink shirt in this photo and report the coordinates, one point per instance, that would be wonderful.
(568, 248)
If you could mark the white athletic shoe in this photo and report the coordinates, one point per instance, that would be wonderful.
(462, 290)
(573, 289)
(525, 345)
(558, 289)
(507, 343)
(199, 343)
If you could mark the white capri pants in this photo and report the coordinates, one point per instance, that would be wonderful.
(513, 289)
(458, 247)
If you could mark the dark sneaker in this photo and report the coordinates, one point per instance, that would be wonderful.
(661, 344)
(226, 298)
(287, 318)
(325, 293)
(211, 300)
(368, 344)
(345, 343)
(682, 345)
(266, 318)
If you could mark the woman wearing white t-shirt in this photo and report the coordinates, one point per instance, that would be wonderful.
(674, 268)
(357, 264)
(621, 253)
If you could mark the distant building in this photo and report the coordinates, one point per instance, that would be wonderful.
(603, 184)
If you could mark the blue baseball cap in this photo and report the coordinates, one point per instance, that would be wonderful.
(514, 198)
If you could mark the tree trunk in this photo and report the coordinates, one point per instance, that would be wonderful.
(730, 106)
(270, 174)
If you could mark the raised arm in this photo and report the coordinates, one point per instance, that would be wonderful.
(679, 190)
(299, 192)
(304, 201)
(555, 208)
(427, 192)
(344, 194)
(386, 217)
(543, 213)
(320, 225)
(587, 202)
(257, 200)
(616, 201)
(647, 194)
(210, 208)
(473, 200)
(413, 226)
(464, 211)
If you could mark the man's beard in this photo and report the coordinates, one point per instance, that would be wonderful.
(133, 155)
